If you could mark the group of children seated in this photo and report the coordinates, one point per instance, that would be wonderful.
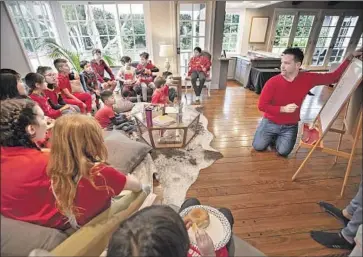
(69, 184)
(55, 96)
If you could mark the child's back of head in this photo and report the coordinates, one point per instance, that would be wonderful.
(159, 82)
(154, 231)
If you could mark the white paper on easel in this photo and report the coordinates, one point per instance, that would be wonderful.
(343, 90)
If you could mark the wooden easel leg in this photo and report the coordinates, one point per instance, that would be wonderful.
(298, 148)
(339, 143)
(306, 159)
(350, 162)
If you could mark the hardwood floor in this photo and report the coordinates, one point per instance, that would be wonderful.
(271, 212)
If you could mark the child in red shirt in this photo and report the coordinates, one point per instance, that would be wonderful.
(82, 100)
(164, 223)
(107, 118)
(52, 91)
(25, 186)
(161, 93)
(79, 143)
(144, 71)
(127, 75)
(37, 87)
(99, 66)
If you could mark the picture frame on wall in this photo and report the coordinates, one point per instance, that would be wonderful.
(258, 30)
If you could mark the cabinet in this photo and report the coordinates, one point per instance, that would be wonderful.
(231, 68)
(243, 67)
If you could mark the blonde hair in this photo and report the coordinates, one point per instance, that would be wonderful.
(77, 147)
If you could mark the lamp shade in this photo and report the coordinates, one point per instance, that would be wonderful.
(166, 51)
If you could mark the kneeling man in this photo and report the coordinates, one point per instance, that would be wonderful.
(282, 97)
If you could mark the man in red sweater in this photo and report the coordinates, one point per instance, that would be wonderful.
(82, 100)
(282, 97)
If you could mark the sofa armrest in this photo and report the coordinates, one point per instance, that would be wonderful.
(93, 238)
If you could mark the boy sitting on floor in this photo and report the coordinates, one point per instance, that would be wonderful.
(145, 70)
(107, 117)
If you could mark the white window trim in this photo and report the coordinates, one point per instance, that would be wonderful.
(19, 38)
(315, 31)
(241, 14)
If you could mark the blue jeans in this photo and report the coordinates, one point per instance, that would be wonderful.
(267, 133)
(355, 210)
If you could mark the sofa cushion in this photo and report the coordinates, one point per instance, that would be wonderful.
(122, 104)
(123, 153)
(19, 238)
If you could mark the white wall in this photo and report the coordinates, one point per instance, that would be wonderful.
(161, 22)
(12, 54)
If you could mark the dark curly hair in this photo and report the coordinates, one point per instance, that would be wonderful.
(15, 116)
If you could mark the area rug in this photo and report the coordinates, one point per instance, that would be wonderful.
(178, 169)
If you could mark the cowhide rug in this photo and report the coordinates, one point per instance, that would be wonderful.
(178, 169)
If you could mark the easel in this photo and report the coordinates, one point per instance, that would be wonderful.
(319, 146)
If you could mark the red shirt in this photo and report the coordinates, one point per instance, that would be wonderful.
(64, 83)
(92, 201)
(200, 64)
(146, 78)
(279, 92)
(161, 95)
(52, 94)
(26, 194)
(99, 69)
(42, 101)
(193, 252)
(104, 116)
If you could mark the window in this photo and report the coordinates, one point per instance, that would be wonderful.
(282, 33)
(303, 30)
(191, 31)
(116, 29)
(230, 33)
(34, 23)
(359, 45)
(343, 39)
(324, 40)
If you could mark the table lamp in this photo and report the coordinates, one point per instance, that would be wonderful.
(166, 51)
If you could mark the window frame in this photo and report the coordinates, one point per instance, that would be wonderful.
(178, 37)
(314, 34)
(296, 14)
(21, 39)
(146, 19)
(239, 32)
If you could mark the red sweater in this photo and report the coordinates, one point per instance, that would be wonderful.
(26, 192)
(42, 100)
(279, 92)
(100, 69)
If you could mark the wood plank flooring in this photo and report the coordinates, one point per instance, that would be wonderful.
(272, 213)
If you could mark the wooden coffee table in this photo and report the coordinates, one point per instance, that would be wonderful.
(176, 135)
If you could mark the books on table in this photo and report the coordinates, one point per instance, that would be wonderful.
(163, 120)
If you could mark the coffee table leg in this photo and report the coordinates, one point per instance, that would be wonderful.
(151, 138)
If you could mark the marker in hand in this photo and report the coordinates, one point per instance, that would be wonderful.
(290, 108)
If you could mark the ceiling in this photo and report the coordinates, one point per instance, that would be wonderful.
(248, 4)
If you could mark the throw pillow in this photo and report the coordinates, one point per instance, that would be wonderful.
(122, 104)
(19, 238)
(123, 153)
